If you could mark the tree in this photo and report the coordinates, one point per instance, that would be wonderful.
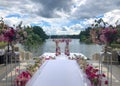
(32, 39)
(85, 36)
(39, 31)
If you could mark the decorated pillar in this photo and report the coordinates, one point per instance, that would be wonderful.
(67, 52)
(58, 52)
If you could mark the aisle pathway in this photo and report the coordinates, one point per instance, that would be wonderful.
(115, 75)
(59, 72)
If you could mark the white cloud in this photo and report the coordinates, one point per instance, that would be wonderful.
(76, 27)
(72, 30)
(112, 17)
(59, 13)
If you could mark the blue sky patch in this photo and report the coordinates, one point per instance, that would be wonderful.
(34, 24)
(13, 15)
(40, 23)
(73, 22)
(100, 16)
(44, 23)
(2, 8)
(25, 16)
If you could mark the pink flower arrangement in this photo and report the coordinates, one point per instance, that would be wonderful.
(103, 34)
(57, 41)
(95, 77)
(22, 78)
(10, 34)
(67, 51)
(58, 51)
(48, 57)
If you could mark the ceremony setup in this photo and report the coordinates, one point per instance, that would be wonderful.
(59, 43)
(59, 69)
(67, 69)
(62, 67)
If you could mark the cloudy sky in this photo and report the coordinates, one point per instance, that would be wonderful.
(59, 16)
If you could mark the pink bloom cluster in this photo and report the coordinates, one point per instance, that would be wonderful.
(103, 36)
(107, 35)
(7, 35)
(22, 78)
(10, 34)
(62, 40)
(58, 52)
(48, 57)
(67, 51)
(94, 76)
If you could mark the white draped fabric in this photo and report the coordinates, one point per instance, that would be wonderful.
(59, 72)
(72, 55)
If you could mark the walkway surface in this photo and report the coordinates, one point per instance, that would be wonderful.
(115, 73)
(59, 72)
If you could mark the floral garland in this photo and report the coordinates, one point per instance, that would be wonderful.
(58, 52)
(57, 41)
(94, 76)
(12, 35)
(22, 78)
(103, 34)
(67, 52)
(92, 73)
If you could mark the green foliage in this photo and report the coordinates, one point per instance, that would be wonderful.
(85, 36)
(3, 44)
(64, 36)
(35, 36)
(118, 28)
(39, 31)
(115, 46)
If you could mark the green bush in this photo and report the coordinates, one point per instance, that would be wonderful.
(3, 44)
(115, 45)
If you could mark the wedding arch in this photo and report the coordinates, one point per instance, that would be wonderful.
(58, 51)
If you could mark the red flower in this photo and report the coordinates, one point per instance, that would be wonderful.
(95, 70)
(22, 78)
(94, 76)
(106, 82)
(103, 75)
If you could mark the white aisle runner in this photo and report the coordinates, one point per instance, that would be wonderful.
(58, 73)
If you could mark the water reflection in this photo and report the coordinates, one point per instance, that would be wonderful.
(75, 46)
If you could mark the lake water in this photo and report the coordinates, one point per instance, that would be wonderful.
(75, 47)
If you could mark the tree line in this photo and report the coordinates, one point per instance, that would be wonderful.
(64, 36)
